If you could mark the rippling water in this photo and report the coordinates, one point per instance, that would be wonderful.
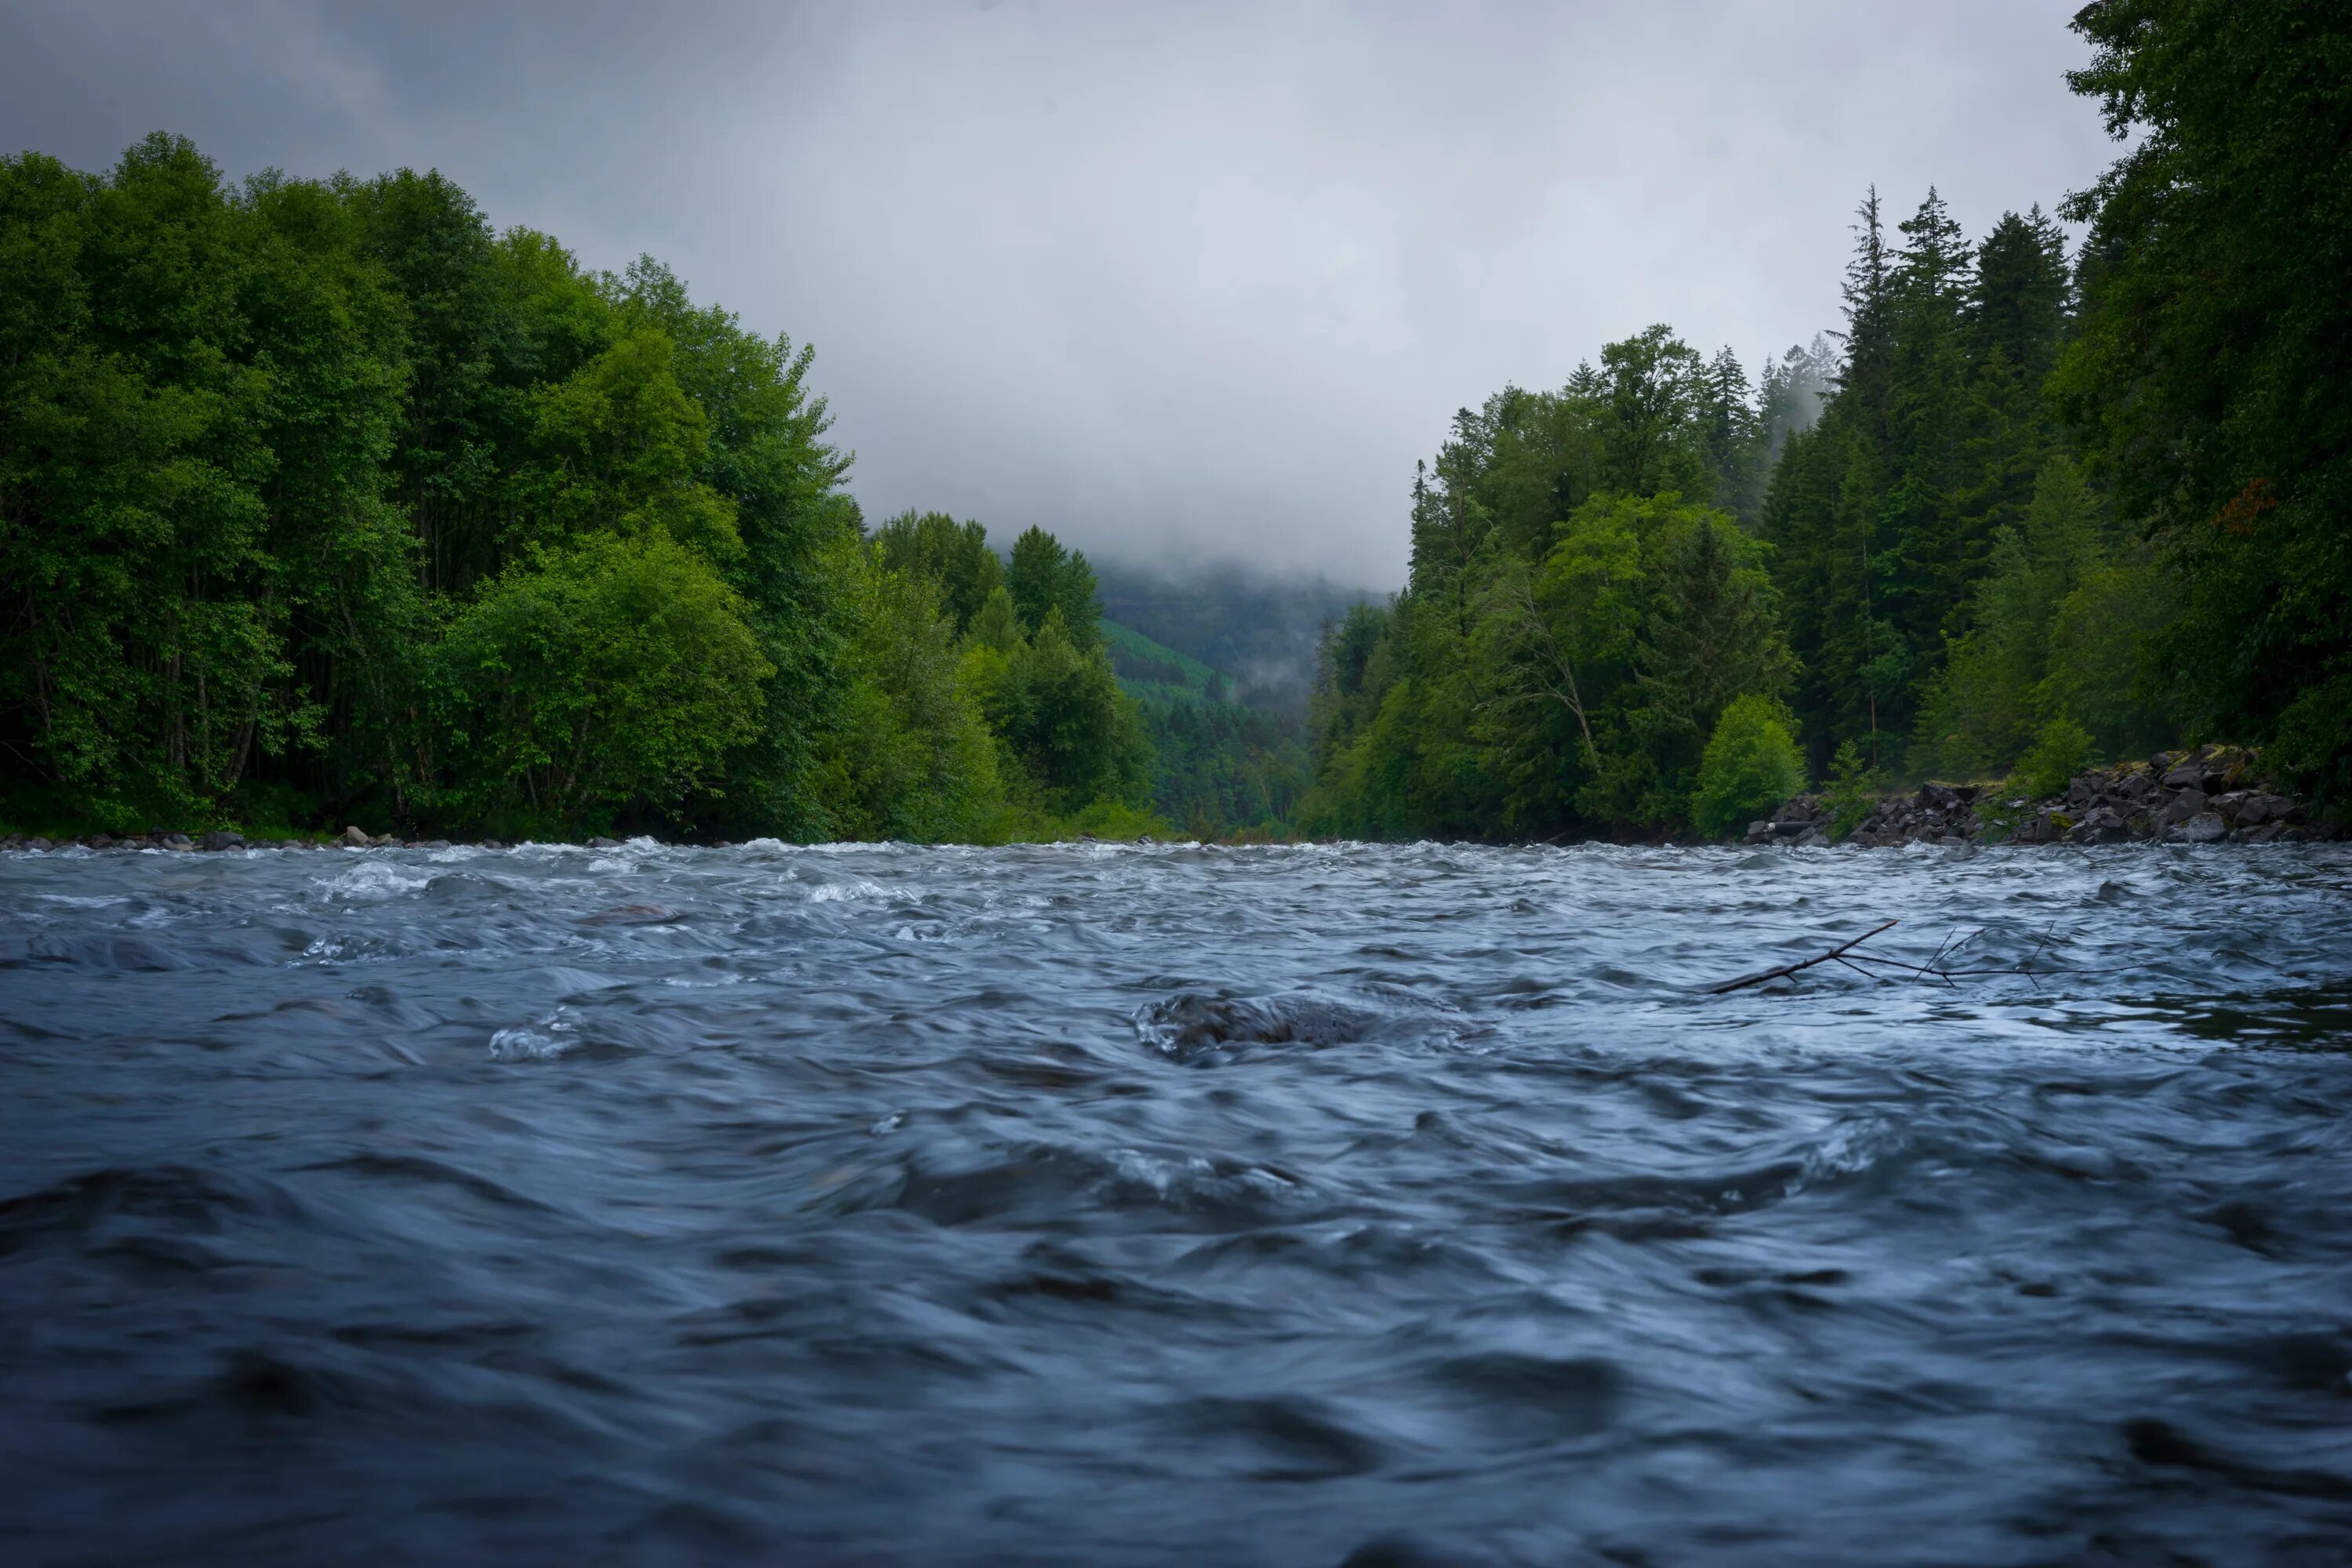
(1100, 1204)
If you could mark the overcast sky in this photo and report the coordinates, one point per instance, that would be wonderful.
(1176, 281)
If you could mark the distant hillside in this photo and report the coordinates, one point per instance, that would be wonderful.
(1217, 767)
(1154, 672)
(1262, 631)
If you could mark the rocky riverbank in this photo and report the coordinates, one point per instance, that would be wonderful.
(2210, 795)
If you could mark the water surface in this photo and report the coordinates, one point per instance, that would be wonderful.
(1100, 1204)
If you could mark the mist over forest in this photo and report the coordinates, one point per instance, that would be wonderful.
(1262, 629)
(967, 783)
(339, 498)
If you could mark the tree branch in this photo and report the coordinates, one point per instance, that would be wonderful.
(1787, 969)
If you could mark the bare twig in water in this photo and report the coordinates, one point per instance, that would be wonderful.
(2026, 968)
(1787, 969)
(1877, 966)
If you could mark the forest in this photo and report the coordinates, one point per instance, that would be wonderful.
(325, 502)
(322, 501)
(2028, 508)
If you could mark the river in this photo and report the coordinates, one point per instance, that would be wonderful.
(1105, 1204)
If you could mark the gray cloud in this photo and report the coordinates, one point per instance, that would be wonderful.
(1173, 281)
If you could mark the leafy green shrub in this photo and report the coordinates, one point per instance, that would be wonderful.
(1116, 819)
(1854, 790)
(1750, 766)
(2062, 750)
(616, 669)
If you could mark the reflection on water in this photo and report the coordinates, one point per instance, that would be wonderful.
(1100, 1204)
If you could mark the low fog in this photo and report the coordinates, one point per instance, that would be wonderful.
(1184, 285)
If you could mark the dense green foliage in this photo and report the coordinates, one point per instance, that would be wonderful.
(322, 499)
(1750, 765)
(1582, 610)
(2211, 375)
(2050, 512)
(1884, 515)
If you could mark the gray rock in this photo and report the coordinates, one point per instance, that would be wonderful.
(2267, 807)
(604, 844)
(2263, 834)
(37, 842)
(2046, 827)
(2189, 802)
(2205, 828)
(356, 838)
(2101, 824)
(493, 844)
(2189, 775)
(222, 838)
(177, 841)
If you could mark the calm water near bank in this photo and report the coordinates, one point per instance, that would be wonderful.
(1108, 1204)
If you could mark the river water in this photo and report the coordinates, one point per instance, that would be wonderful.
(1101, 1204)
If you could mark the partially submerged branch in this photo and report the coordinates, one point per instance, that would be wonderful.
(1787, 970)
(1878, 967)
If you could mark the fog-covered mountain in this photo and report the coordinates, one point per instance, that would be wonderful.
(1260, 630)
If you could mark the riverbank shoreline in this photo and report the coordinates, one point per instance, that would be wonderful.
(2210, 795)
(2213, 794)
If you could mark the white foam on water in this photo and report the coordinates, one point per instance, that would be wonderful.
(541, 1040)
(371, 879)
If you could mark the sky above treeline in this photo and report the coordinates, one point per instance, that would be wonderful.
(1179, 282)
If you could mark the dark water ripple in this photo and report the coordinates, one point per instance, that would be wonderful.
(1105, 1205)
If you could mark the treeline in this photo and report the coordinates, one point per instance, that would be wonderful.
(321, 501)
(2064, 509)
